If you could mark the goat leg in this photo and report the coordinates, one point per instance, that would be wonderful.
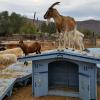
(60, 40)
(26, 63)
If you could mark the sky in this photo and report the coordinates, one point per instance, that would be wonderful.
(79, 9)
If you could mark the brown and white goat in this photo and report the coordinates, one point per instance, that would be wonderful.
(64, 24)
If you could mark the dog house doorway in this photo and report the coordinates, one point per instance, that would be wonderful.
(63, 76)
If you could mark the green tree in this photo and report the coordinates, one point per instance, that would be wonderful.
(28, 28)
(4, 23)
(44, 27)
(16, 21)
(87, 32)
(50, 28)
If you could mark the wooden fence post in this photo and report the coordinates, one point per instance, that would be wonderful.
(94, 39)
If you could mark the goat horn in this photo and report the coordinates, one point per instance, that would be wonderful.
(56, 3)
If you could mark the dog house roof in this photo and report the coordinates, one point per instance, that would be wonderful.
(67, 54)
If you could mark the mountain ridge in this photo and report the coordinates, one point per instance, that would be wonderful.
(91, 24)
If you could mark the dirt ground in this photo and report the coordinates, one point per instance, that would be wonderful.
(25, 93)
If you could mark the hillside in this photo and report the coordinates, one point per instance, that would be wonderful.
(93, 25)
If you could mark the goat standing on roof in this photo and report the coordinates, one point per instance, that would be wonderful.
(77, 40)
(64, 25)
(29, 48)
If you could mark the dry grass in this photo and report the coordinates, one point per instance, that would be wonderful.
(5, 76)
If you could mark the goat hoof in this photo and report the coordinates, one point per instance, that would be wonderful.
(62, 50)
(58, 50)
(86, 50)
(39, 52)
(26, 63)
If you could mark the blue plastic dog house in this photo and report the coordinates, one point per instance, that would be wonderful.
(64, 73)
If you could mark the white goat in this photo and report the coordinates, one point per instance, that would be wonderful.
(76, 40)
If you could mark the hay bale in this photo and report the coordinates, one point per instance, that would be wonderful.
(17, 51)
(7, 59)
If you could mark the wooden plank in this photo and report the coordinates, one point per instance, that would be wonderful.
(5, 86)
(16, 73)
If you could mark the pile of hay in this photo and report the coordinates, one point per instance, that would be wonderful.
(7, 59)
(17, 51)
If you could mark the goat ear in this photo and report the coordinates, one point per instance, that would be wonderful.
(56, 3)
(20, 41)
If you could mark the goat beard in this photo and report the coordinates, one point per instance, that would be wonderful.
(48, 21)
